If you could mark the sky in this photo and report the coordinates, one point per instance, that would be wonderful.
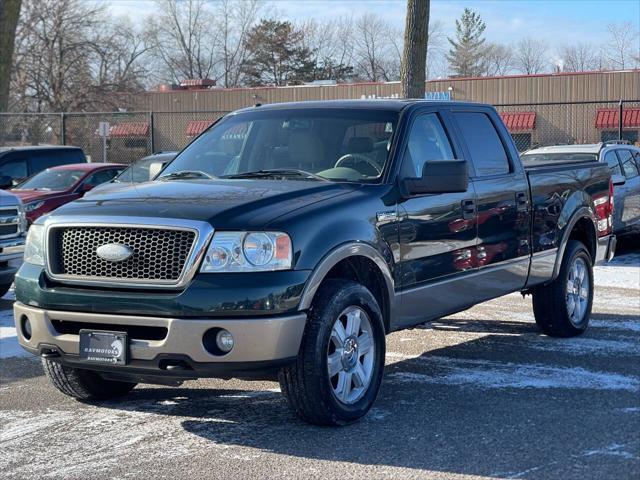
(559, 22)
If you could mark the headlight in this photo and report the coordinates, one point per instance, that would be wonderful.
(248, 252)
(30, 207)
(34, 248)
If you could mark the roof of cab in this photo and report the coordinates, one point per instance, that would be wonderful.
(392, 104)
(37, 147)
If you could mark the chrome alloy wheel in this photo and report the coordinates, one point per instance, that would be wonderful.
(350, 355)
(577, 291)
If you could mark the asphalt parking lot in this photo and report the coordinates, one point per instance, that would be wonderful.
(481, 394)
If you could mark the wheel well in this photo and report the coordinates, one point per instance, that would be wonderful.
(364, 271)
(583, 232)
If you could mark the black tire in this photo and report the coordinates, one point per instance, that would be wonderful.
(306, 383)
(83, 384)
(550, 301)
(4, 288)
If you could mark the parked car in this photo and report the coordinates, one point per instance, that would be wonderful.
(53, 187)
(18, 163)
(623, 161)
(139, 171)
(12, 236)
(292, 246)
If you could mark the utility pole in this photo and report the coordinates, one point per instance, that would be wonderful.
(414, 53)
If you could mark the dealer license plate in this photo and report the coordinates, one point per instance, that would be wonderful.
(104, 347)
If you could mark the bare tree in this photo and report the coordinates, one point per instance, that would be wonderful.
(414, 54)
(497, 59)
(331, 42)
(437, 64)
(377, 51)
(530, 56)
(9, 14)
(234, 21)
(623, 48)
(183, 39)
(68, 57)
(580, 57)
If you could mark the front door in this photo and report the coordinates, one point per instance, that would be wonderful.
(437, 231)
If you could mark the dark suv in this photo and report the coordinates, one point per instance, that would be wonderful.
(18, 163)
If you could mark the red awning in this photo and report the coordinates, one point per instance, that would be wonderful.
(607, 118)
(196, 127)
(519, 121)
(129, 129)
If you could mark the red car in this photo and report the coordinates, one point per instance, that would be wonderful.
(53, 187)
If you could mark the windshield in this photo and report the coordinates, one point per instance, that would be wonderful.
(301, 144)
(52, 179)
(560, 157)
(137, 172)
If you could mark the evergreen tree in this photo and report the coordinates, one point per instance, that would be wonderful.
(466, 56)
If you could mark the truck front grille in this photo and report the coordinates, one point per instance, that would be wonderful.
(159, 254)
(9, 222)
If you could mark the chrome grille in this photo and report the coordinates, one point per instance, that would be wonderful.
(9, 222)
(159, 254)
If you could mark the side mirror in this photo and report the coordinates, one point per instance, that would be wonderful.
(439, 176)
(155, 168)
(618, 179)
(6, 182)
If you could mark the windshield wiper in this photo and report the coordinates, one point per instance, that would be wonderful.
(186, 174)
(278, 172)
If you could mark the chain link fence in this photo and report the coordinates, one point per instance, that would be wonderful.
(133, 135)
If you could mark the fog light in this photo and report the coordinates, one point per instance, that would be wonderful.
(25, 326)
(224, 341)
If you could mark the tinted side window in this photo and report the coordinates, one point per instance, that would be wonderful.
(629, 166)
(486, 149)
(100, 177)
(16, 169)
(427, 142)
(612, 161)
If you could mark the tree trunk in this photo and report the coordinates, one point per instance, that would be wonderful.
(9, 14)
(414, 54)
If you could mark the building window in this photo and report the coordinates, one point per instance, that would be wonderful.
(522, 141)
(629, 135)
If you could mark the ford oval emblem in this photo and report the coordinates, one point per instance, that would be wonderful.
(114, 252)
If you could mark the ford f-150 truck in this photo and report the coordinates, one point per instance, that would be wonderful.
(12, 234)
(288, 240)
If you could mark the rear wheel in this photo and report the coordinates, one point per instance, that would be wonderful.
(563, 307)
(83, 384)
(336, 377)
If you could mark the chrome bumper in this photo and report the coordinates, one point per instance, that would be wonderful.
(11, 249)
(256, 339)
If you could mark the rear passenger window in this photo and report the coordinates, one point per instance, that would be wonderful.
(427, 142)
(629, 166)
(612, 161)
(487, 152)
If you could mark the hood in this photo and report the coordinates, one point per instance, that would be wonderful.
(241, 204)
(33, 195)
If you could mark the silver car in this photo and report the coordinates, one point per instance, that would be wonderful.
(623, 160)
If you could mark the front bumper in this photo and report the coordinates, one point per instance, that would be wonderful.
(11, 252)
(260, 343)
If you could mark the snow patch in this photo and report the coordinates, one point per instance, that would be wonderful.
(493, 374)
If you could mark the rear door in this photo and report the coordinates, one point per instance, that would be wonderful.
(631, 188)
(503, 199)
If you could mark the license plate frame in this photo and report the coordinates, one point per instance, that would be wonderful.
(104, 347)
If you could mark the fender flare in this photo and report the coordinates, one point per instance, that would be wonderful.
(583, 212)
(352, 249)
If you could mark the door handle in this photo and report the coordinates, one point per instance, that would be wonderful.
(522, 202)
(468, 209)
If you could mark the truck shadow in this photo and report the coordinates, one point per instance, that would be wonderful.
(506, 404)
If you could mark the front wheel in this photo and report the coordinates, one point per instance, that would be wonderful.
(337, 375)
(563, 307)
